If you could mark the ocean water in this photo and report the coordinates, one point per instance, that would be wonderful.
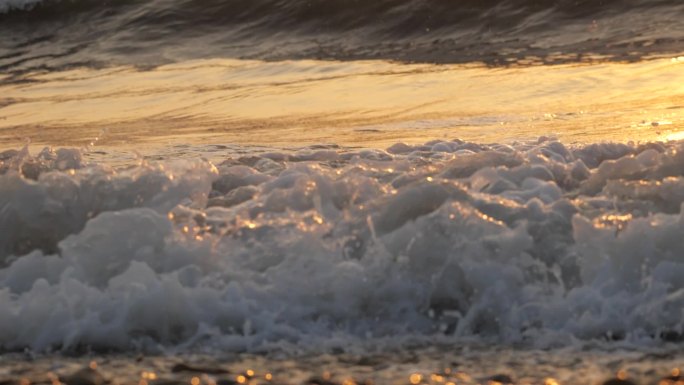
(476, 180)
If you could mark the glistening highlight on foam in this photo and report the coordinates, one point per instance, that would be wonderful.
(538, 243)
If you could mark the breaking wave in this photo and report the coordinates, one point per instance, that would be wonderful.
(538, 243)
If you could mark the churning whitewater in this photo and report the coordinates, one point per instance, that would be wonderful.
(536, 243)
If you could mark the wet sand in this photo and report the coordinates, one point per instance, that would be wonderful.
(462, 364)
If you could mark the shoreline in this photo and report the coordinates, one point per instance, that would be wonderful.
(465, 364)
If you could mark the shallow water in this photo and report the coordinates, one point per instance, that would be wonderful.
(370, 104)
(52, 34)
(494, 188)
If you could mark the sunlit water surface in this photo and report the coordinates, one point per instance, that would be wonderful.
(373, 104)
(499, 222)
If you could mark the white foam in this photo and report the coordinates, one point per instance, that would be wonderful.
(535, 242)
(7, 5)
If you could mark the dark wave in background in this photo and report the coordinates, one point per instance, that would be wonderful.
(56, 34)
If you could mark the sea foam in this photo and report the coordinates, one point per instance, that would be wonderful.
(6, 5)
(538, 243)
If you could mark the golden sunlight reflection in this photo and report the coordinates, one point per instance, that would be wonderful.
(415, 378)
(679, 135)
(370, 103)
(621, 375)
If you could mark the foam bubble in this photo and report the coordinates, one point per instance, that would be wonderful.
(538, 243)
